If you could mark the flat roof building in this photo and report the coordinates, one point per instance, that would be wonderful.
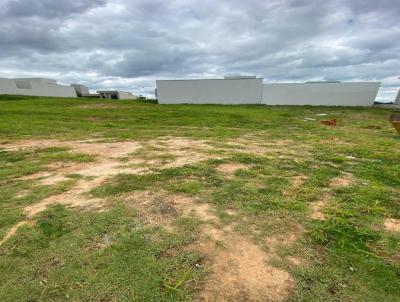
(116, 95)
(35, 87)
(80, 89)
(234, 90)
(210, 91)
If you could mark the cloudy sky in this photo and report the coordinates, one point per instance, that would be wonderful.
(127, 44)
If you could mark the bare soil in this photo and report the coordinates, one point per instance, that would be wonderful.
(392, 224)
(108, 163)
(296, 184)
(317, 208)
(229, 169)
(239, 269)
(12, 231)
(342, 181)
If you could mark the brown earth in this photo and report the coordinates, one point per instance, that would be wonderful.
(346, 179)
(392, 224)
(229, 169)
(13, 230)
(342, 181)
(239, 269)
(107, 164)
(318, 207)
(296, 184)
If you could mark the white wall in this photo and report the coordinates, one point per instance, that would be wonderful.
(328, 94)
(209, 91)
(7, 86)
(126, 95)
(39, 87)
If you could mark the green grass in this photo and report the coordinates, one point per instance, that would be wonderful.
(77, 255)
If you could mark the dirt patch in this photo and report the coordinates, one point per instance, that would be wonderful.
(54, 179)
(22, 194)
(295, 260)
(13, 230)
(190, 206)
(93, 147)
(152, 208)
(318, 207)
(182, 150)
(229, 169)
(77, 196)
(109, 154)
(38, 175)
(161, 208)
(284, 239)
(45, 178)
(258, 146)
(239, 269)
(296, 183)
(240, 272)
(342, 181)
(392, 224)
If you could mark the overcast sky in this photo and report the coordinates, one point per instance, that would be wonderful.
(127, 44)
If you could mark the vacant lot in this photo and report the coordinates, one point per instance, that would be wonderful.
(127, 201)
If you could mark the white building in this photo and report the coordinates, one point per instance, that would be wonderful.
(35, 87)
(397, 100)
(233, 90)
(116, 95)
(80, 89)
(252, 90)
(321, 93)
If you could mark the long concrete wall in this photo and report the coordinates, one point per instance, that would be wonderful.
(209, 91)
(326, 94)
(35, 87)
(253, 91)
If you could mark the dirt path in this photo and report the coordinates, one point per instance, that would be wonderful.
(239, 269)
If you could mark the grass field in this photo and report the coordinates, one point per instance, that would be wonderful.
(132, 201)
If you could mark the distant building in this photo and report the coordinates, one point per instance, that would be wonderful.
(116, 95)
(232, 90)
(332, 93)
(83, 91)
(35, 87)
(80, 89)
(397, 100)
(236, 90)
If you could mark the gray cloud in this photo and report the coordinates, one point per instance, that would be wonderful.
(127, 44)
(49, 8)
